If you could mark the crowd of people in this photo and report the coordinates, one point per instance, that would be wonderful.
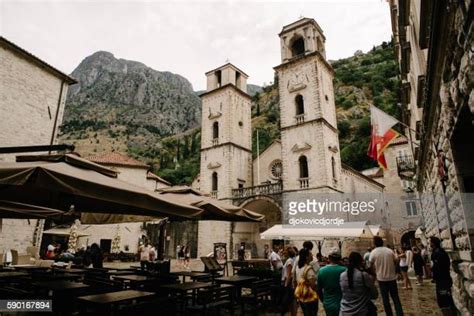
(83, 256)
(348, 287)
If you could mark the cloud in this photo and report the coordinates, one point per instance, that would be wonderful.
(187, 37)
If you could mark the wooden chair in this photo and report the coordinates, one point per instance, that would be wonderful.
(238, 265)
(260, 293)
(215, 298)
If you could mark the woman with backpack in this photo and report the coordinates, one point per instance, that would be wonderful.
(305, 292)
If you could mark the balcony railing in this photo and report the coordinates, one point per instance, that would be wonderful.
(304, 183)
(264, 189)
(215, 141)
(214, 194)
(299, 118)
(406, 167)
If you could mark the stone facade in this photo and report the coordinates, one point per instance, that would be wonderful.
(226, 151)
(32, 96)
(445, 97)
(308, 128)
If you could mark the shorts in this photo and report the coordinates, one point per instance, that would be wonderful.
(444, 296)
(404, 269)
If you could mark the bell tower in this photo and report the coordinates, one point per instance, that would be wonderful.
(226, 150)
(309, 135)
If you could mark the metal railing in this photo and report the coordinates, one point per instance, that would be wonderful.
(406, 168)
(264, 189)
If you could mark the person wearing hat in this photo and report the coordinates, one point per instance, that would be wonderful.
(329, 289)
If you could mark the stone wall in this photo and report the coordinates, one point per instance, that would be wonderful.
(28, 102)
(443, 210)
(210, 232)
(17, 234)
(29, 96)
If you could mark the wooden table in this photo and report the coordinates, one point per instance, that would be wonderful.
(134, 279)
(30, 267)
(60, 285)
(71, 270)
(239, 281)
(106, 300)
(235, 279)
(63, 293)
(193, 275)
(12, 274)
(120, 272)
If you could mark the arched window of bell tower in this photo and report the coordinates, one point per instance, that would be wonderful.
(299, 103)
(218, 78)
(297, 47)
(215, 130)
(303, 162)
(214, 181)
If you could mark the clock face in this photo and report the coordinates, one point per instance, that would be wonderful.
(276, 169)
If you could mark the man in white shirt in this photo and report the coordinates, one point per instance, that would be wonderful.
(145, 255)
(275, 260)
(383, 262)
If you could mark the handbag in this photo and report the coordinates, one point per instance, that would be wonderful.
(304, 293)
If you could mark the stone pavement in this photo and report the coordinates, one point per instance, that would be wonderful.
(419, 301)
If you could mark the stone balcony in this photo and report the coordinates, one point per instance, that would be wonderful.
(304, 183)
(299, 118)
(406, 168)
(264, 189)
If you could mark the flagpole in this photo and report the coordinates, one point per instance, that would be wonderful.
(258, 160)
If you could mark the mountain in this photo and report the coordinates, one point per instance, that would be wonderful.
(126, 105)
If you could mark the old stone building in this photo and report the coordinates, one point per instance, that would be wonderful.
(306, 159)
(435, 49)
(32, 96)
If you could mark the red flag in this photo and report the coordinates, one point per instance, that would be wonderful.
(382, 134)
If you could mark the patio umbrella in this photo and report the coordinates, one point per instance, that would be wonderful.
(60, 181)
(116, 241)
(212, 209)
(10, 209)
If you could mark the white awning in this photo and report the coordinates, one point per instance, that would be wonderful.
(345, 231)
(64, 232)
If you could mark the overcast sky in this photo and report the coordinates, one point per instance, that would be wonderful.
(188, 37)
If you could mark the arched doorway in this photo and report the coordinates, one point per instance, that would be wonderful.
(249, 233)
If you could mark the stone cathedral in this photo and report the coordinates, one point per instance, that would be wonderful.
(307, 158)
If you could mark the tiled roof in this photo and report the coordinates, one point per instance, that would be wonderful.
(151, 175)
(116, 159)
